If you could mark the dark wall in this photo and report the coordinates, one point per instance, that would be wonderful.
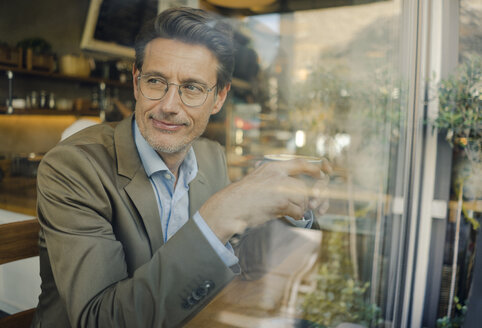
(60, 22)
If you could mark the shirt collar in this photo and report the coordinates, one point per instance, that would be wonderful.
(153, 163)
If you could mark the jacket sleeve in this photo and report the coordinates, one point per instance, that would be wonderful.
(88, 262)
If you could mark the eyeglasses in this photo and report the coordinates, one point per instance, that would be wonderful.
(192, 94)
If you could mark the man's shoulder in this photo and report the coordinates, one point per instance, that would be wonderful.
(98, 133)
(92, 143)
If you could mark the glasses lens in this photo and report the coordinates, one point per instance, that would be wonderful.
(152, 87)
(193, 94)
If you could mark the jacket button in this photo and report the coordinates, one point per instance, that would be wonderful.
(203, 290)
(186, 305)
(189, 303)
(191, 300)
(199, 293)
(208, 284)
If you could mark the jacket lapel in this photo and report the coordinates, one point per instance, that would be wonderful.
(138, 188)
(198, 192)
(201, 188)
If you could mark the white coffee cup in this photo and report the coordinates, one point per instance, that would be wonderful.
(287, 157)
(309, 181)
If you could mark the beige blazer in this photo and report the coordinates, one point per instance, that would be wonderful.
(102, 259)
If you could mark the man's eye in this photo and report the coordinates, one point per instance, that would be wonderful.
(193, 88)
(153, 80)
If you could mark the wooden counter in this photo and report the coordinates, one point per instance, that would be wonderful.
(273, 299)
(19, 194)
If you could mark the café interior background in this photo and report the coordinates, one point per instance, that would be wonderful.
(355, 82)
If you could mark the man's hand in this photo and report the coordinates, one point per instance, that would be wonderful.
(273, 189)
(319, 202)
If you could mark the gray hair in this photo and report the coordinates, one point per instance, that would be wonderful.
(193, 26)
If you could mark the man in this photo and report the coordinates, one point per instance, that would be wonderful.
(136, 218)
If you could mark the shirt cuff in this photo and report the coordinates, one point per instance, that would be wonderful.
(306, 222)
(225, 252)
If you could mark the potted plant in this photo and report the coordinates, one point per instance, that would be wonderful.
(460, 99)
(460, 102)
(459, 117)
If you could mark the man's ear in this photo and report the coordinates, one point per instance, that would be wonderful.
(135, 72)
(220, 99)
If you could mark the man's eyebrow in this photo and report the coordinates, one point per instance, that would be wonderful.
(183, 81)
(154, 73)
(193, 80)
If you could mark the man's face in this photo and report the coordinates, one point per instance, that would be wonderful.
(168, 125)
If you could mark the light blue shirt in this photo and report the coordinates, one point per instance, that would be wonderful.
(173, 200)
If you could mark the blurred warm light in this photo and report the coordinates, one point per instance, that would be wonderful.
(20, 133)
(239, 136)
(239, 123)
(300, 138)
(302, 74)
(342, 140)
(332, 146)
(320, 145)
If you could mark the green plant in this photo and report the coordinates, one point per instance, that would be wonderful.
(338, 297)
(459, 116)
(39, 46)
(460, 102)
(455, 321)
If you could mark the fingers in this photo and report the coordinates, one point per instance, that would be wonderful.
(295, 207)
(315, 176)
(318, 195)
(323, 208)
(303, 167)
(295, 192)
(288, 188)
(326, 167)
(294, 211)
(319, 206)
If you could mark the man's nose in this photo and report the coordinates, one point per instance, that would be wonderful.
(171, 102)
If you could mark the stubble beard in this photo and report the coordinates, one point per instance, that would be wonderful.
(163, 147)
(169, 149)
(180, 146)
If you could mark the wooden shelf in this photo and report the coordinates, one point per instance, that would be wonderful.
(39, 111)
(58, 76)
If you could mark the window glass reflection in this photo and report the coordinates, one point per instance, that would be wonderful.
(326, 83)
